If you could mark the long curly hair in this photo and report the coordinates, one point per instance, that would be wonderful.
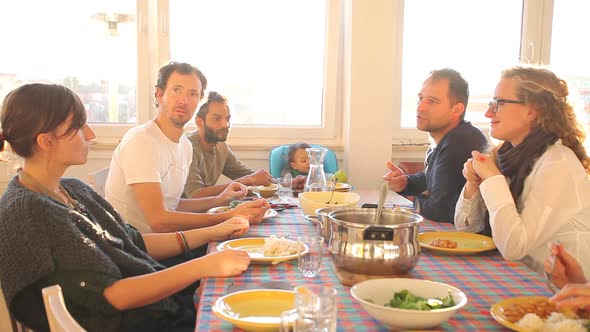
(547, 94)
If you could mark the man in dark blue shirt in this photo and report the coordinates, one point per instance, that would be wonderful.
(442, 102)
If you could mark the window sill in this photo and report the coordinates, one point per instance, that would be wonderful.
(410, 147)
(105, 145)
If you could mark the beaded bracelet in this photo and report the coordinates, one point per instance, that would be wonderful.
(182, 241)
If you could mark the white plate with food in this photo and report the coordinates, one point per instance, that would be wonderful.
(268, 214)
(536, 313)
(267, 250)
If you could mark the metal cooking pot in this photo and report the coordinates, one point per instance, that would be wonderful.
(322, 221)
(389, 248)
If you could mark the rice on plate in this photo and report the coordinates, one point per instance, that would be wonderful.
(556, 322)
(275, 246)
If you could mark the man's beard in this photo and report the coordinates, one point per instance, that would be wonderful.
(212, 137)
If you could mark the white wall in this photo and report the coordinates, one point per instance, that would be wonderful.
(368, 94)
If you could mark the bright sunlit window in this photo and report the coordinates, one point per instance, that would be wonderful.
(570, 55)
(439, 34)
(84, 45)
(265, 56)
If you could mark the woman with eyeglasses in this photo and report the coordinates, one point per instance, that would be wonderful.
(56, 230)
(534, 187)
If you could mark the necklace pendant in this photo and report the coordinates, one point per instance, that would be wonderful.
(83, 218)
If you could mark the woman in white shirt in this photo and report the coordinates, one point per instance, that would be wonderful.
(534, 187)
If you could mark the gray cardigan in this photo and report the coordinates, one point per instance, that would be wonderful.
(43, 242)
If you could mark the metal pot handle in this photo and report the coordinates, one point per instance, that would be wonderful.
(378, 233)
(313, 219)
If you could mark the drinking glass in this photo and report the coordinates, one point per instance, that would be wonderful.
(329, 182)
(310, 263)
(315, 310)
(285, 188)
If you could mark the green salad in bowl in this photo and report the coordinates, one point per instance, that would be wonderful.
(407, 300)
(416, 303)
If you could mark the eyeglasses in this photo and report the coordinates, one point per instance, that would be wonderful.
(495, 104)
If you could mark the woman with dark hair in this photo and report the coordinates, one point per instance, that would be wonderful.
(534, 187)
(56, 230)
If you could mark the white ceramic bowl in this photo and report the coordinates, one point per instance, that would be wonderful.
(381, 291)
(265, 192)
(313, 200)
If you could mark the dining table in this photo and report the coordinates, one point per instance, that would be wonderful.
(485, 278)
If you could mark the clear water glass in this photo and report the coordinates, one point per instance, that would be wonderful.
(315, 310)
(285, 188)
(310, 263)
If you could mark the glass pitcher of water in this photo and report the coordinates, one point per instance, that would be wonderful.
(316, 179)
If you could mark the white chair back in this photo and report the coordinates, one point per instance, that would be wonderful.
(98, 180)
(60, 320)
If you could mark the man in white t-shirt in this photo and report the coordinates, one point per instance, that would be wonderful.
(150, 166)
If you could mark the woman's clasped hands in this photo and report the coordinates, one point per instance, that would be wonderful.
(480, 167)
(476, 169)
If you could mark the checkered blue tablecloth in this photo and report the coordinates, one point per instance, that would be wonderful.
(485, 278)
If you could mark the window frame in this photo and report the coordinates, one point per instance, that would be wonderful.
(154, 39)
(111, 133)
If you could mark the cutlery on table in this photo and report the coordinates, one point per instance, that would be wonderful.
(256, 191)
(549, 275)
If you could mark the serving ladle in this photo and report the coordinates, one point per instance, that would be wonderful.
(333, 180)
(382, 196)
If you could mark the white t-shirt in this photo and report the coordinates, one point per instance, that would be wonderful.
(146, 155)
(554, 205)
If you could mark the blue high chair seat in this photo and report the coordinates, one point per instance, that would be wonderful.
(278, 159)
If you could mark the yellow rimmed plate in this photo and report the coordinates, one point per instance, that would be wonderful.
(268, 214)
(467, 243)
(255, 248)
(255, 310)
(497, 310)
